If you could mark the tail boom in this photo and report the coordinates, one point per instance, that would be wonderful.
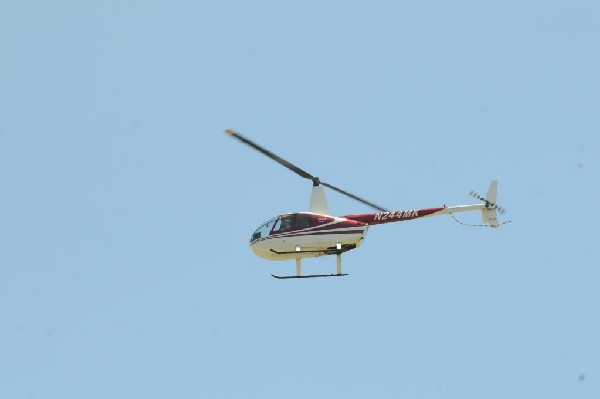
(403, 215)
(488, 211)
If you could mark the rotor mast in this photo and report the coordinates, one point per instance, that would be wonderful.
(318, 201)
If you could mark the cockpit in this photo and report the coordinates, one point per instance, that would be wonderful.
(288, 222)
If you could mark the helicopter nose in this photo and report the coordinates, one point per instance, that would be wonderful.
(261, 250)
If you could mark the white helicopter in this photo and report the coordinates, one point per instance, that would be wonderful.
(316, 233)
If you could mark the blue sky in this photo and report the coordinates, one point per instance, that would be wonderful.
(125, 212)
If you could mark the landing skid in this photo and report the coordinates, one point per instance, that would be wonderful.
(337, 250)
(329, 251)
(309, 276)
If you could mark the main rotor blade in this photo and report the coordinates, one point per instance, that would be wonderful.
(299, 171)
(268, 153)
(339, 190)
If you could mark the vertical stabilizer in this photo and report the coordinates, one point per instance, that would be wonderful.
(489, 214)
(318, 202)
(491, 194)
(490, 217)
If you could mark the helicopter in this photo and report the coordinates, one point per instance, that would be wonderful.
(316, 233)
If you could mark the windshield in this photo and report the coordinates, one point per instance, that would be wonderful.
(264, 229)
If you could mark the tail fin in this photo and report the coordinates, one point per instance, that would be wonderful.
(489, 214)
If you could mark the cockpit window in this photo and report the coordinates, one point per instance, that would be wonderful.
(304, 221)
(286, 222)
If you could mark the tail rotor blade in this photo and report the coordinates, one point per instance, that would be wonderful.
(500, 209)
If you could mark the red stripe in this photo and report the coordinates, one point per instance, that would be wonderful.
(308, 233)
(321, 233)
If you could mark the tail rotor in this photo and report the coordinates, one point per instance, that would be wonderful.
(489, 213)
(488, 204)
